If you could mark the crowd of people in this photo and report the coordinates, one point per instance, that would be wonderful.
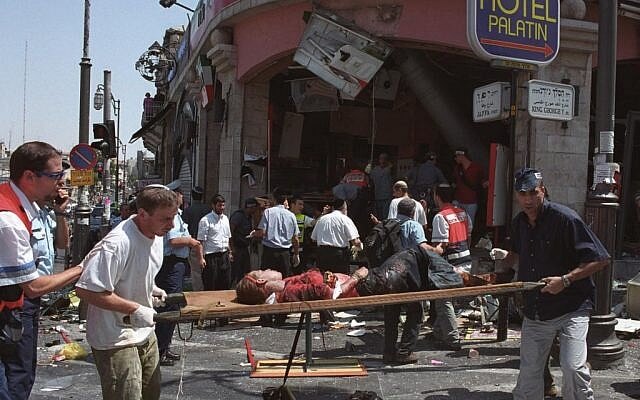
(127, 275)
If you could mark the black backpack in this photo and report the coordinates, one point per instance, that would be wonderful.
(382, 242)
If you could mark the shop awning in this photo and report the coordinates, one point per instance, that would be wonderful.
(147, 129)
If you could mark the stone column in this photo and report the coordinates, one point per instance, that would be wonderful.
(244, 128)
(561, 150)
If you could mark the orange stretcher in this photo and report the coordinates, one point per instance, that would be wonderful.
(207, 305)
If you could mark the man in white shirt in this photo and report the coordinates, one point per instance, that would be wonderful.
(118, 281)
(335, 233)
(214, 233)
(401, 191)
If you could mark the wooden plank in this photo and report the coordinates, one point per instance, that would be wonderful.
(319, 368)
(218, 304)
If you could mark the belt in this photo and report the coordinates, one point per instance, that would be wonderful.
(217, 253)
(455, 256)
(333, 247)
(176, 257)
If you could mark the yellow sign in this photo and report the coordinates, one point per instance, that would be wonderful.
(81, 177)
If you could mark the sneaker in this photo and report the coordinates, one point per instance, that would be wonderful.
(406, 358)
(166, 361)
(551, 391)
(171, 355)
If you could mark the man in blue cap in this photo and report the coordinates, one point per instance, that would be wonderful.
(553, 245)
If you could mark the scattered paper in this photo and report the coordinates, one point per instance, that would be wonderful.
(436, 362)
(627, 325)
(347, 314)
(356, 324)
(357, 332)
(57, 384)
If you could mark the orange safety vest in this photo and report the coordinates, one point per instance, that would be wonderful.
(355, 177)
(9, 201)
(457, 252)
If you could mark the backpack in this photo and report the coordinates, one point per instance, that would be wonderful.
(382, 242)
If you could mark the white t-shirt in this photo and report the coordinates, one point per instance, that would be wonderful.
(125, 262)
(214, 233)
(334, 229)
(418, 214)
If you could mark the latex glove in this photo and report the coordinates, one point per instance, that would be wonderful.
(158, 297)
(498, 254)
(355, 249)
(295, 260)
(142, 317)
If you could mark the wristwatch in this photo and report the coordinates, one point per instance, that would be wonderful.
(566, 282)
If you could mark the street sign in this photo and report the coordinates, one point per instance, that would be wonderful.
(524, 31)
(491, 102)
(82, 156)
(81, 177)
(550, 100)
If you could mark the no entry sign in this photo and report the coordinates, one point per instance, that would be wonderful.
(82, 156)
(519, 30)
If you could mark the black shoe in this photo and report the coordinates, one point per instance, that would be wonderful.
(171, 355)
(388, 358)
(453, 346)
(166, 361)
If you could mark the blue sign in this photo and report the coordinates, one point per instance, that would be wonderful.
(83, 156)
(519, 30)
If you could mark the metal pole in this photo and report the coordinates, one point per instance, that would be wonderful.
(81, 224)
(118, 143)
(603, 345)
(106, 115)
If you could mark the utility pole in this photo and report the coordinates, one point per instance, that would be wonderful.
(106, 116)
(603, 345)
(83, 211)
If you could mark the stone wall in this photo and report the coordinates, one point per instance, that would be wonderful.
(561, 152)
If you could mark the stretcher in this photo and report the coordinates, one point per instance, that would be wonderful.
(208, 305)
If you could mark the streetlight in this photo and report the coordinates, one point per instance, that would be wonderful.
(169, 3)
(98, 103)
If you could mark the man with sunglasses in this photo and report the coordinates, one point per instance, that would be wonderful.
(552, 244)
(36, 173)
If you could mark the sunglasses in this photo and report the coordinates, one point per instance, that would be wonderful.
(53, 175)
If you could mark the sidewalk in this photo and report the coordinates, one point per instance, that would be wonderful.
(214, 366)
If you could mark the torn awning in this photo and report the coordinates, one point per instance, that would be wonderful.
(148, 127)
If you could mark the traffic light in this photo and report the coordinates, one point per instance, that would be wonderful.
(107, 132)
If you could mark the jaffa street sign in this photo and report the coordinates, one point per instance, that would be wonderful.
(518, 30)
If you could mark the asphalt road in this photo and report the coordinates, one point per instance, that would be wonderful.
(214, 366)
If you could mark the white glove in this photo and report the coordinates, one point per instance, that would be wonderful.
(142, 317)
(498, 254)
(158, 297)
(295, 260)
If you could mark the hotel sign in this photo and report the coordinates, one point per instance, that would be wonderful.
(518, 30)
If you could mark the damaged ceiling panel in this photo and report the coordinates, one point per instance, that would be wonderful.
(340, 53)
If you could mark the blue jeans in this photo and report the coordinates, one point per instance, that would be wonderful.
(445, 327)
(537, 337)
(20, 369)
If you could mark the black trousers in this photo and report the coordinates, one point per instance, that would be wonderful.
(277, 260)
(241, 264)
(410, 330)
(216, 275)
(334, 259)
(171, 279)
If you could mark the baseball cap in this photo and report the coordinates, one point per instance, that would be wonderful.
(527, 179)
(250, 203)
(175, 186)
(461, 151)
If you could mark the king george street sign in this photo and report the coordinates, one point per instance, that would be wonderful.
(518, 30)
(550, 100)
